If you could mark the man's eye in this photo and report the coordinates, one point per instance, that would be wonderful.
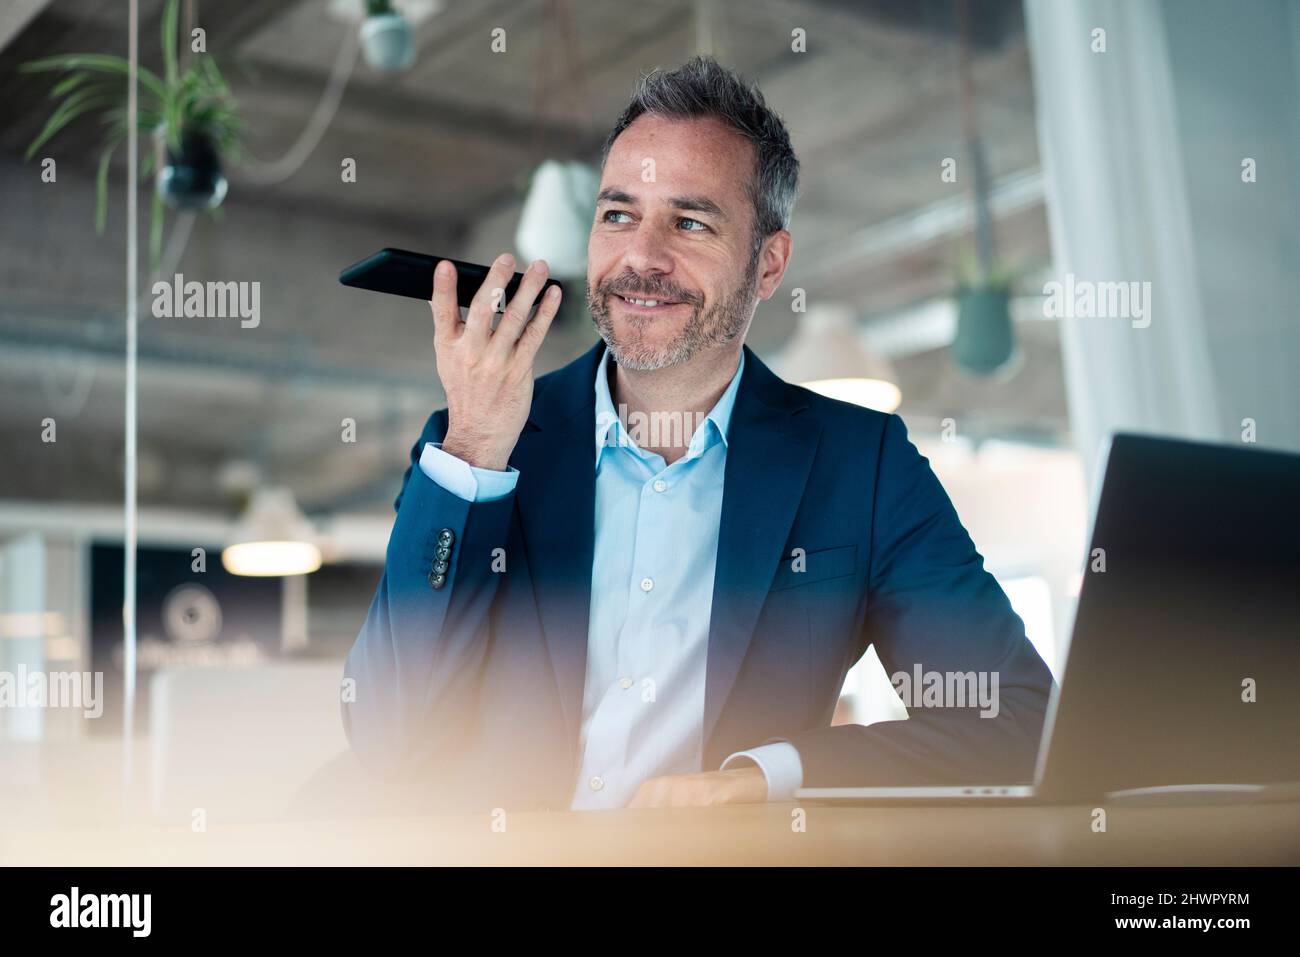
(696, 222)
(615, 212)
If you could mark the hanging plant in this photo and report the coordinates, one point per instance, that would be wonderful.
(985, 342)
(387, 38)
(190, 115)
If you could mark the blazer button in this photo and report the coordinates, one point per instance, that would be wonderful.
(443, 553)
(436, 580)
(445, 537)
(440, 568)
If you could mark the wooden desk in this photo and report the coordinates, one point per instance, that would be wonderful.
(744, 835)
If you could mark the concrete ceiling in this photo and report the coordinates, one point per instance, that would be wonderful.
(443, 155)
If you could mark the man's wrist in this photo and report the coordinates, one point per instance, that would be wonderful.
(463, 480)
(779, 761)
(476, 454)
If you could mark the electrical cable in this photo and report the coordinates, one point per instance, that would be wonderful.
(261, 173)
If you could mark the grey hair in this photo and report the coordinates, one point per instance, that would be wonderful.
(701, 87)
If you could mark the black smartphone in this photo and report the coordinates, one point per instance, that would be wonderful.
(400, 272)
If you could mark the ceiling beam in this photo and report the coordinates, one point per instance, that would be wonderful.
(406, 108)
(895, 237)
(15, 17)
(99, 337)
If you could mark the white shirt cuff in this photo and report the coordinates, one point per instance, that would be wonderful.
(779, 763)
(464, 480)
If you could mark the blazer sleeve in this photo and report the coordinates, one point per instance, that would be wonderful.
(411, 677)
(932, 603)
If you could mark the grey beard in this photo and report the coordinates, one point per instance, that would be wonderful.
(724, 322)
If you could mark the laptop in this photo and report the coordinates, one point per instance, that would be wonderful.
(1181, 683)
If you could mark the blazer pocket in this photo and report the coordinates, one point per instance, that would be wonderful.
(815, 566)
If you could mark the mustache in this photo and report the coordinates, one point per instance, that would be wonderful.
(638, 288)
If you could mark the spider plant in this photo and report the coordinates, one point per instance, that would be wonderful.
(179, 109)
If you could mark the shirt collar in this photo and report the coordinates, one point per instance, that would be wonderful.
(713, 428)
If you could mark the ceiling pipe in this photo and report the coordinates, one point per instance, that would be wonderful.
(94, 338)
(1009, 195)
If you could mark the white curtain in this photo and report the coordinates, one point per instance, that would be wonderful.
(1118, 210)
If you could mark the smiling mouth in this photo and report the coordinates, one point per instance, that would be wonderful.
(646, 303)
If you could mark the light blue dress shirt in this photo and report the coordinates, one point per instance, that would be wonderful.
(656, 547)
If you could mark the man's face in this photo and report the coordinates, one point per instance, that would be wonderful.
(674, 226)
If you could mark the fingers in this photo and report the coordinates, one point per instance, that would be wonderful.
(483, 307)
(446, 311)
(704, 789)
(515, 318)
(530, 340)
(515, 334)
(646, 795)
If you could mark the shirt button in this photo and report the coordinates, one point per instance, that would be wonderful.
(647, 584)
(596, 782)
(625, 683)
(660, 485)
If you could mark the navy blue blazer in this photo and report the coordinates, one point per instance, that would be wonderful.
(470, 678)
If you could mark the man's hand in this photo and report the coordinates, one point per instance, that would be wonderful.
(488, 374)
(745, 785)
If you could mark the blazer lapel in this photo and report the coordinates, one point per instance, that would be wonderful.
(556, 499)
(770, 450)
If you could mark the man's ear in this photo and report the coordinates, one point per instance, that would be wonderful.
(773, 259)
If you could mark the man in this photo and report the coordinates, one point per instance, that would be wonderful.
(582, 612)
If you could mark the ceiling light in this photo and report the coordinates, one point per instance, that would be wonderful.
(272, 539)
(877, 394)
(826, 354)
(555, 221)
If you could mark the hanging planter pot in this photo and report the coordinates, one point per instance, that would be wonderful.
(387, 38)
(985, 341)
(191, 177)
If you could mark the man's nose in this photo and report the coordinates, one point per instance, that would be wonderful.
(648, 251)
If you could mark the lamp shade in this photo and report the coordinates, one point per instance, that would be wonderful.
(557, 215)
(826, 354)
(273, 538)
